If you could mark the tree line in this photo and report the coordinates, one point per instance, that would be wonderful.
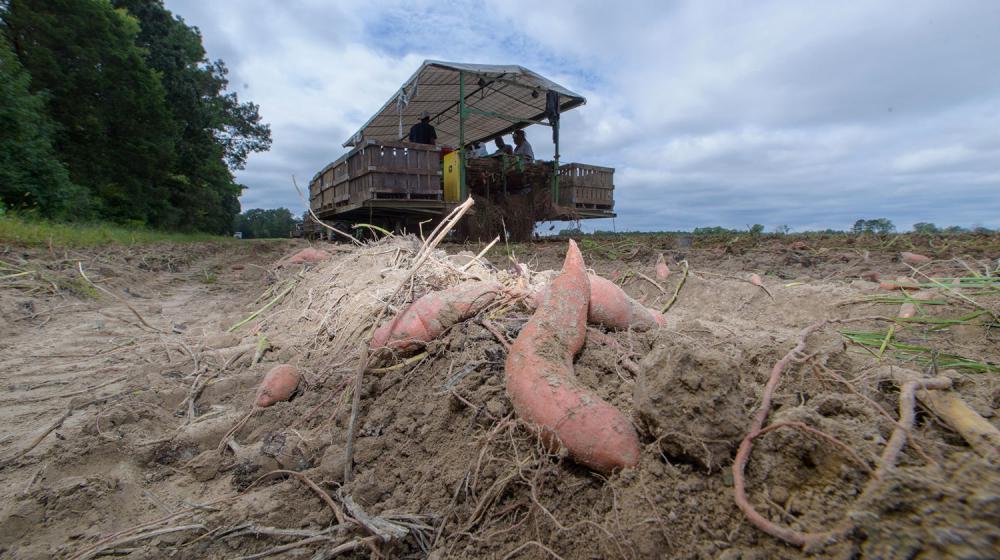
(258, 223)
(111, 110)
(876, 226)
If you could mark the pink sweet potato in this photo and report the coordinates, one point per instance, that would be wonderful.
(900, 283)
(278, 385)
(914, 258)
(907, 311)
(611, 307)
(429, 316)
(543, 389)
(924, 295)
(662, 270)
(308, 255)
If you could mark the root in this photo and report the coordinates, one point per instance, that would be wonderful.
(890, 453)
(232, 432)
(140, 537)
(488, 325)
(337, 511)
(512, 553)
(677, 290)
(53, 427)
(117, 297)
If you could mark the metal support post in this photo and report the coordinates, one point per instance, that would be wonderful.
(555, 166)
(463, 190)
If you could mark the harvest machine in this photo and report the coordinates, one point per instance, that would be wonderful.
(385, 180)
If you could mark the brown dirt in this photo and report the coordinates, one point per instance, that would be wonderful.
(437, 446)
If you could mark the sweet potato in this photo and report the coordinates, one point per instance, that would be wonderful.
(914, 258)
(907, 311)
(308, 255)
(662, 270)
(278, 385)
(543, 389)
(611, 307)
(900, 283)
(429, 316)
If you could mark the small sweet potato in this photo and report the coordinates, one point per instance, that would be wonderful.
(900, 283)
(429, 316)
(543, 389)
(308, 255)
(662, 270)
(914, 258)
(278, 385)
(925, 295)
(907, 311)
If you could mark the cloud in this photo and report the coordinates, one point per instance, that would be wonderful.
(933, 158)
(780, 112)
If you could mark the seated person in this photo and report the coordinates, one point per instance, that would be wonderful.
(502, 147)
(522, 147)
(423, 132)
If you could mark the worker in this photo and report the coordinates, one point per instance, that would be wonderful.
(522, 147)
(423, 132)
(502, 147)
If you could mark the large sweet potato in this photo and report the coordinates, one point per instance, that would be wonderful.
(427, 317)
(545, 392)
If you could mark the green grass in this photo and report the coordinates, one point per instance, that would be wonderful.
(17, 230)
(880, 343)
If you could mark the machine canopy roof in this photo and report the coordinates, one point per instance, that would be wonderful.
(513, 91)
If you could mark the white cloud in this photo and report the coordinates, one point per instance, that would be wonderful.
(712, 113)
(933, 158)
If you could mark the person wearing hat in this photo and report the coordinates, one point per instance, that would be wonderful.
(423, 132)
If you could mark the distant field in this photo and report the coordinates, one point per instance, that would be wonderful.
(626, 246)
(20, 231)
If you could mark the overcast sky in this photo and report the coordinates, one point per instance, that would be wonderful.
(806, 114)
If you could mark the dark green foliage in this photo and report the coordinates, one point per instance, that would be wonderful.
(31, 178)
(114, 134)
(143, 121)
(214, 131)
(714, 230)
(258, 223)
(926, 228)
(881, 226)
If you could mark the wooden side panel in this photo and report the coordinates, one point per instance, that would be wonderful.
(393, 171)
(586, 186)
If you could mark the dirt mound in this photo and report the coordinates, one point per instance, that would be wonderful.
(688, 397)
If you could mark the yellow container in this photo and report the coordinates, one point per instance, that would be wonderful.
(452, 178)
